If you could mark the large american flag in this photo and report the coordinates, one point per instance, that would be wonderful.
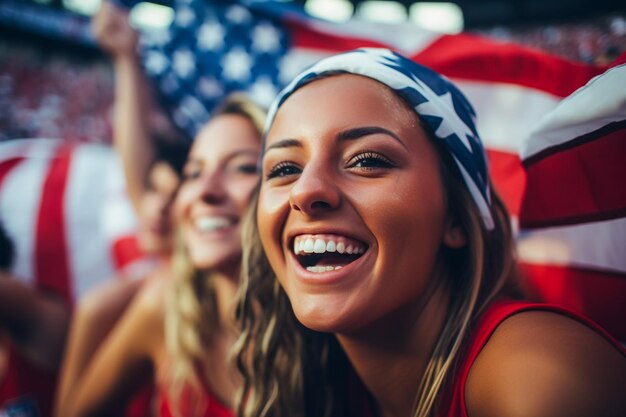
(65, 208)
(573, 214)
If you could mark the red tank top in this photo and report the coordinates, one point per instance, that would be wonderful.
(207, 406)
(26, 389)
(493, 316)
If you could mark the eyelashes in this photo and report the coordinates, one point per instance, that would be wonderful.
(283, 169)
(370, 161)
(365, 162)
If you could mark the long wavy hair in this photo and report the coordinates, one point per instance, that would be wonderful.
(289, 370)
(191, 313)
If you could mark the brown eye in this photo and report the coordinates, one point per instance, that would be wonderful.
(370, 161)
(283, 169)
(247, 168)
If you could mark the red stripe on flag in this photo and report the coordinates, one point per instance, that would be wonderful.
(578, 184)
(472, 57)
(126, 250)
(306, 37)
(7, 166)
(52, 269)
(599, 295)
(509, 178)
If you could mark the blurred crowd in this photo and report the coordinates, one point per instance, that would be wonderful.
(46, 92)
(599, 41)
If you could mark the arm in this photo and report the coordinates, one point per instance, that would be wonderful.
(133, 98)
(124, 361)
(35, 321)
(544, 364)
(94, 317)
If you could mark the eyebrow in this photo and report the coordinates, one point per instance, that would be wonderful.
(359, 132)
(240, 152)
(284, 143)
(346, 135)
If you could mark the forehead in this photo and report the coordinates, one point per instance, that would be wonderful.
(343, 101)
(224, 135)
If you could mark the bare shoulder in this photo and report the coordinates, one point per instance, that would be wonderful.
(151, 296)
(540, 363)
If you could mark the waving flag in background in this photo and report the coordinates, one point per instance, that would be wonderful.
(217, 47)
(65, 208)
(214, 48)
(573, 216)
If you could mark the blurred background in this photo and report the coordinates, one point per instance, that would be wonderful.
(54, 82)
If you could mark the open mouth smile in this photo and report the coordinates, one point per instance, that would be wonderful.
(326, 252)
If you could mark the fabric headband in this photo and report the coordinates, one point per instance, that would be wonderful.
(437, 101)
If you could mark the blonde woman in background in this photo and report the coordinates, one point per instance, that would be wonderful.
(180, 329)
(379, 277)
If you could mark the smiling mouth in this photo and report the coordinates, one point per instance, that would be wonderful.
(209, 224)
(325, 253)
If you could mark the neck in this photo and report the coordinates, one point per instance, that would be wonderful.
(391, 355)
(226, 286)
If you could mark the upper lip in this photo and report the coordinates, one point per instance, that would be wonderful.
(319, 230)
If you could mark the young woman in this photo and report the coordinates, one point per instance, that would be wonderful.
(152, 167)
(379, 275)
(180, 329)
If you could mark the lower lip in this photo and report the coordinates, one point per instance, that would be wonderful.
(328, 277)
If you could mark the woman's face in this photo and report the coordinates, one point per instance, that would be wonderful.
(352, 210)
(155, 235)
(219, 177)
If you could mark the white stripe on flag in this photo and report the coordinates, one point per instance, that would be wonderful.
(597, 245)
(505, 126)
(600, 102)
(118, 216)
(404, 37)
(90, 260)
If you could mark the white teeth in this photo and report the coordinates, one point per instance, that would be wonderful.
(209, 224)
(320, 246)
(341, 247)
(308, 246)
(320, 269)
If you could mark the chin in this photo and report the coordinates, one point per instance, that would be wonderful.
(153, 246)
(324, 318)
(215, 261)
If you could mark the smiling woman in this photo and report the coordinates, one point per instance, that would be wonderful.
(379, 276)
(179, 328)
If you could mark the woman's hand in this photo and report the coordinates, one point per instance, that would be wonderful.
(113, 31)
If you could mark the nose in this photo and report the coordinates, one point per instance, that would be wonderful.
(213, 189)
(315, 191)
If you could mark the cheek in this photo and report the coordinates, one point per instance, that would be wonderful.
(241, 193)
(271, 213)
(183, 200)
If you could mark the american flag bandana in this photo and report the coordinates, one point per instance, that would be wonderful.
(437, 101)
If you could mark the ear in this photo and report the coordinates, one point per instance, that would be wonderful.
(454, 236)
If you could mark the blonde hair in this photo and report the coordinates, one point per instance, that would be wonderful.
(191, 313)
(289, 370)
